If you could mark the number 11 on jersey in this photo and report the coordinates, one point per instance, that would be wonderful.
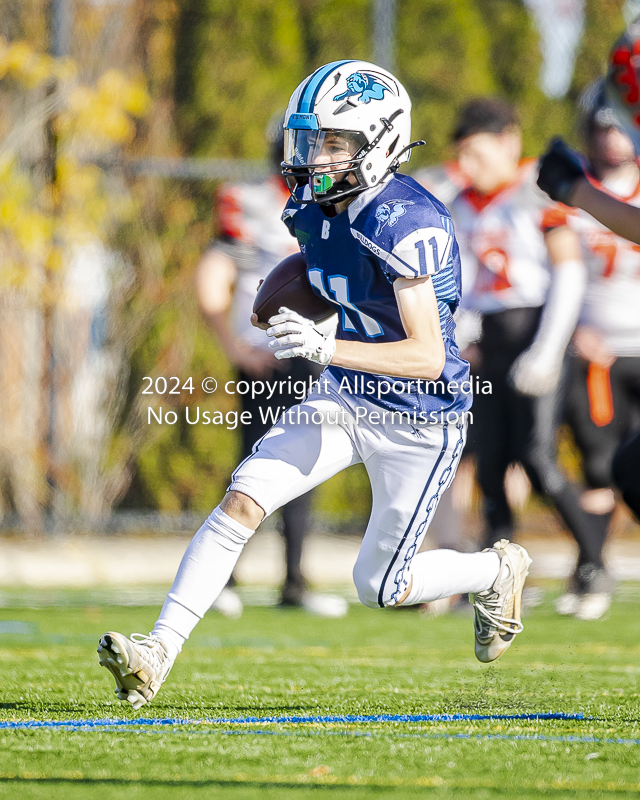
(422, 256)
(339, 286)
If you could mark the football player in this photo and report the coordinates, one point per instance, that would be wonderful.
(563, 176)
(528, 314)
(603, 404)
(562, 172)
(382, 251)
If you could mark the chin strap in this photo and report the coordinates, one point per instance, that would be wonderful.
(395, 164)
(393, 167)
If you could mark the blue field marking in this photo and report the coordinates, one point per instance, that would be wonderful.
(157, 722)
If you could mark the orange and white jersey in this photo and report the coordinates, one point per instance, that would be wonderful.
(250, 213)
(444, 181)
(502, 250)
(255, 237)
(612, 299)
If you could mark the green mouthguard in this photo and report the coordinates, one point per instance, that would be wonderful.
(322, 183)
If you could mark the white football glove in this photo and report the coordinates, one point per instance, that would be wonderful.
(536, 372)
(294, 335)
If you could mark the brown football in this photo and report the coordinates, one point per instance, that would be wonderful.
(287, 285)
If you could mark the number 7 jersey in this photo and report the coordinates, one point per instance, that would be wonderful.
(612, 298)
(395, 230)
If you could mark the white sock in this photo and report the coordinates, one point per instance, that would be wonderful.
(443, 573)
(203, 573)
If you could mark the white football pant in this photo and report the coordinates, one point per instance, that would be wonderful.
(409, 467)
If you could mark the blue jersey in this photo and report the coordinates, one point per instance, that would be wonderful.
(353, 259)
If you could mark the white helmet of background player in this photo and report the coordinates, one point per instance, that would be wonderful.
(358, 104)
(595, 110)
(622, 83)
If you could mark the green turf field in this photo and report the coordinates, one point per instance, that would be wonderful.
(275, 663)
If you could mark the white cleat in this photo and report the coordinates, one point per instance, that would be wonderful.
(139, 665)
(593, 606)
(497, 610)
(228, 603)
(568, 603)
(589, 594)
(324, 605)
(596, 600)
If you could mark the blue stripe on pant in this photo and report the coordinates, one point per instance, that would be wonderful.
(415, 540)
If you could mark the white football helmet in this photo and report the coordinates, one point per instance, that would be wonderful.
(595, 111)
(346, 128)
(622, 83)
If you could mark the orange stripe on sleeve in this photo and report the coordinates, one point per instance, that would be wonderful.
(554, 217)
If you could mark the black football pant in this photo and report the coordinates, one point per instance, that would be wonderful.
(510, 427)
(600, 421)
(626, 472)
(297, 513)
(598, 437)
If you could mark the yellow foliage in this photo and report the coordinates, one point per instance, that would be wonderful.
(37, 225)
(118, 90)
(136, 98)
(55, 259)
(14, 275)
(77, 182)
(33, 232)
(18, 55)
(165, 10)
(8, 212)
(103, 114)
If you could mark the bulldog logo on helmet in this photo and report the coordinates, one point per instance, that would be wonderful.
(390, 212)
(364, 87)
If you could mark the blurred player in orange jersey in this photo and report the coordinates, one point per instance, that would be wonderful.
(253, 240)
(562, 175)
(445, 181)
(604, 391)
(527, 292)
(562, 171)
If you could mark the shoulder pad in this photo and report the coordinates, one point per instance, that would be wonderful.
(409, 233)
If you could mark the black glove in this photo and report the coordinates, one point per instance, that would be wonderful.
(560, 169)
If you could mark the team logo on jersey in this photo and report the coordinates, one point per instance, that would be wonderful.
(362, 87)
(390, 212)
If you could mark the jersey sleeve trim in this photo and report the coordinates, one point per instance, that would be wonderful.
(555, 217)
(287, 217)
(425, 250)
(422, 252)
(391, 260)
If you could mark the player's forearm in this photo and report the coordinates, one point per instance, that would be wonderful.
(619, 217)
(409, 358)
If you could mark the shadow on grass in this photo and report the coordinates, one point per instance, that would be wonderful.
(381, 789)
(195, 784)
(53, 711)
